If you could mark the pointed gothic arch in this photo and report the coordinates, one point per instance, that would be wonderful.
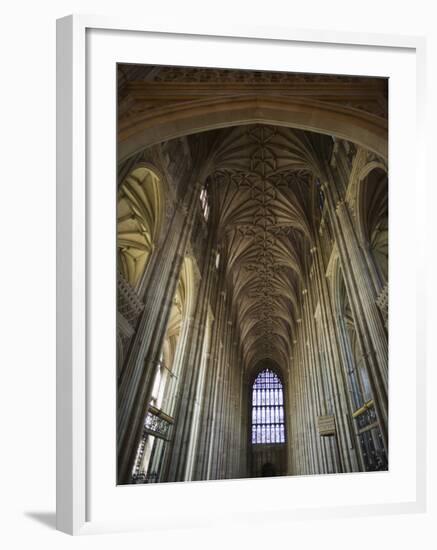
(373, 216)
(267, 399)
(139, 217)
(176, 120)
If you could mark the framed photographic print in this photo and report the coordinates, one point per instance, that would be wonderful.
(234, 336)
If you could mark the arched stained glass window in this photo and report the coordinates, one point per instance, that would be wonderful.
(267, 409)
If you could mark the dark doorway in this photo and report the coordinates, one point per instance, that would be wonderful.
(268, 470)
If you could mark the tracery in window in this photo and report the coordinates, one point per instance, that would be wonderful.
(268, 425)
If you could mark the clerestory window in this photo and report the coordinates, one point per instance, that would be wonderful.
(204, 203)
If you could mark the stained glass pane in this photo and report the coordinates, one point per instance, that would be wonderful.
(267, 409)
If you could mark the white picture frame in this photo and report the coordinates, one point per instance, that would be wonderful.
(78, 303)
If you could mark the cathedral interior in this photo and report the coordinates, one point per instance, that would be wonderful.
(252, 280)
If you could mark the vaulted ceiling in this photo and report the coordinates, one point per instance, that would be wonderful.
(262, 181)
(263, 193)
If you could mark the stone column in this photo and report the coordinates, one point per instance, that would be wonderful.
(371, 333)
(219, 407)
(291, 417)
(310, 401)
(334, 366)
(136, 382)
(317, 390)
(185, 406)
(207, 421)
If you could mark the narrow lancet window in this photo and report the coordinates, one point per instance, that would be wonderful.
(204, 203)
(267, 409)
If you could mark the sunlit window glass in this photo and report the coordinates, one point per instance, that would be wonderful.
(267, 409)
